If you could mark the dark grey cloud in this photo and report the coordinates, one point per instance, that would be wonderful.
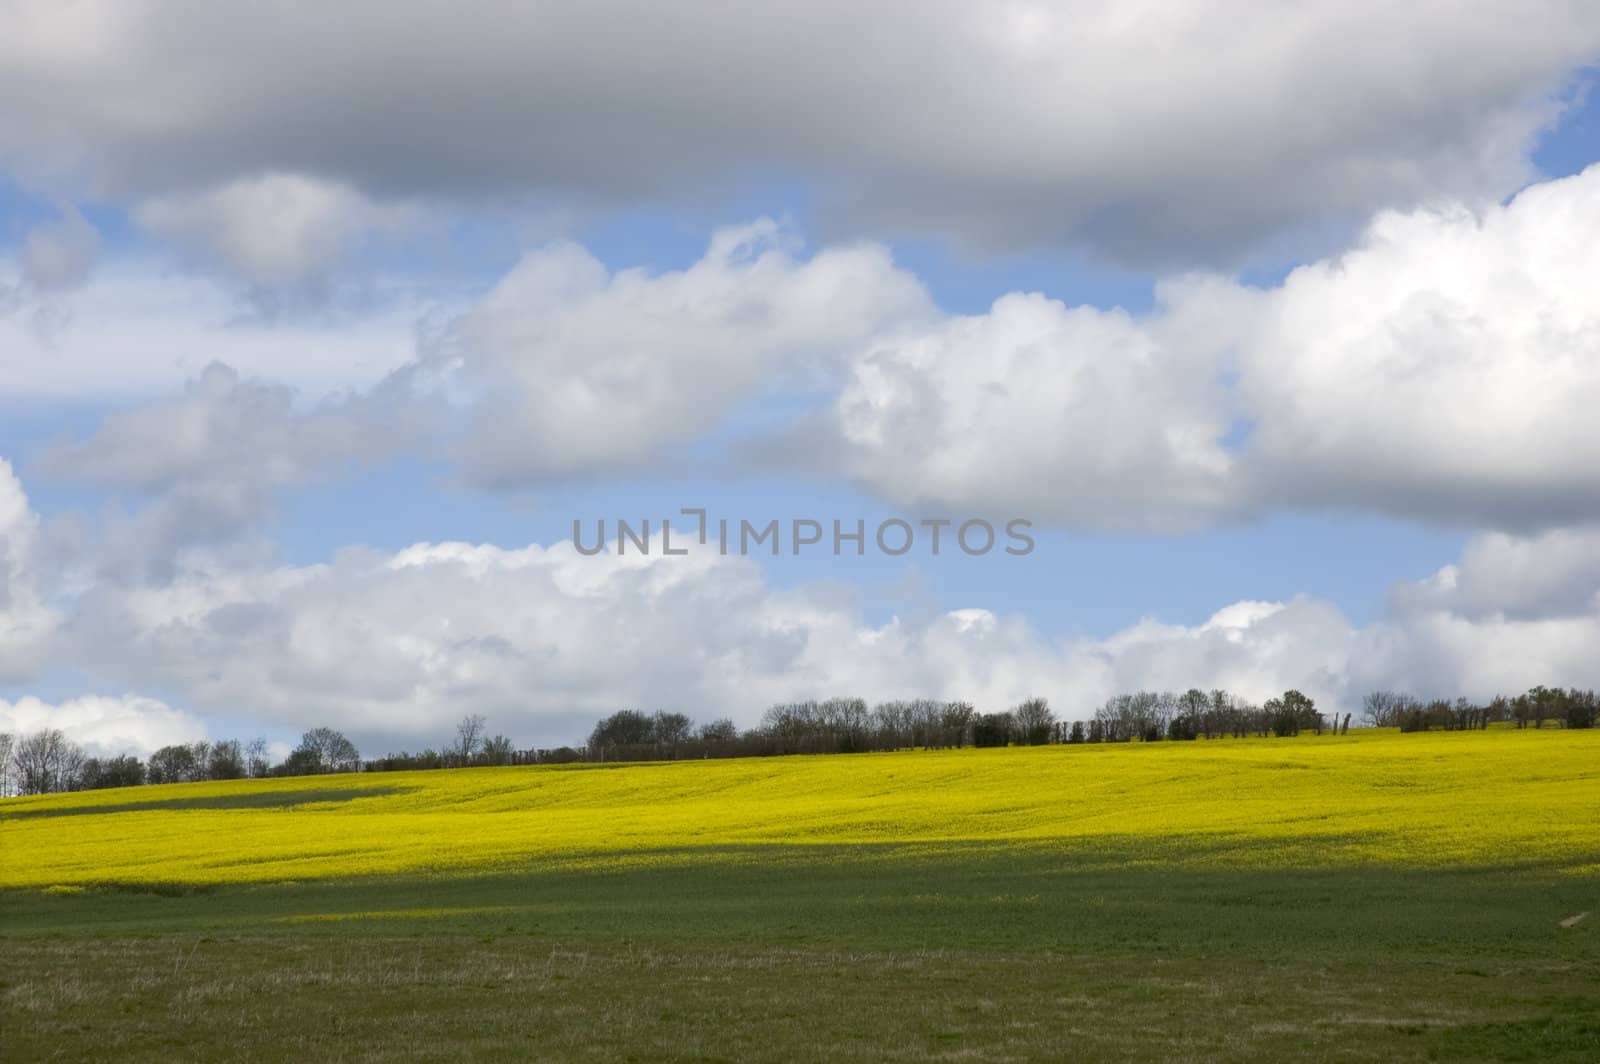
(1177, 133)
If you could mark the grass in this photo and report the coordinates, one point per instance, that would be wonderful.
(1360, 898)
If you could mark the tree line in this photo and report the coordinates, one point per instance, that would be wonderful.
(1570, 708)
(850, 725)
(46, 761)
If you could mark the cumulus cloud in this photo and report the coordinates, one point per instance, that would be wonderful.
(1555, 574)
(564, 368)
(544, 639)
(1068, 414)
(27, 621)
(568, 368)
(392, 647)
(105, 726)
(1178, 132)
(1444, 369)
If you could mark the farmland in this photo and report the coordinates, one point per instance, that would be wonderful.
(1338, 898)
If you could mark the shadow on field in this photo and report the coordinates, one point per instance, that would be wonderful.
(956, 950)
(1121, 894)
(240, 800)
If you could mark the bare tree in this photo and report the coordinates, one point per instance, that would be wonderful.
(497, 750)
(955, 723)
(1033, 721)
(256, 762)
(46, 762)
(172, 764)
(1220, 714)
(626, 727)
(672, 728)
(1379, 708)
(7, 741)
(226, 760)
(892, 722)
(719, 731)
(122, 771)
(993, 729)
(323, 750)
(1192, 714)
(1110, 720)
(469, 736)
(1145, 716)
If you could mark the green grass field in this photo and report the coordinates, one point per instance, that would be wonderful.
(1373, 897)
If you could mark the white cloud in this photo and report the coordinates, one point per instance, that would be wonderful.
(562, 368)
(1178, 130)
(137, 329)
(1554, 574)
(1445, 369)
(393, 647)
(1442, 654)
(274, 230)
(1255, 649)
(211, 460)
(569, 368)
(1072, 415)
(103, 726)
(27, 622)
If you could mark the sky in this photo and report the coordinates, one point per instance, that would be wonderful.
(321, 326)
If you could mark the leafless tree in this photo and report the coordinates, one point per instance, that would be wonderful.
(1033, 721)
(1146, 716)
(719, 731)
(226, 760)
(497, 750)
(469, 736)
(323, 750)
(1192, 709)
(46, 762)
(672, 728)
(1379, 708)
(256, 762)
(892, 723)
(173, 764)
(955, 723)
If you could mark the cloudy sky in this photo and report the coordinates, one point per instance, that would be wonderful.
(321, 324)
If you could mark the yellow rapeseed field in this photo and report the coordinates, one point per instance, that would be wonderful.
(1495, 798)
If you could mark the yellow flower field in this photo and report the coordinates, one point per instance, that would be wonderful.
(1496, 798)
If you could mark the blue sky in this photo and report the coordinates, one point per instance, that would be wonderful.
(1211, 452)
